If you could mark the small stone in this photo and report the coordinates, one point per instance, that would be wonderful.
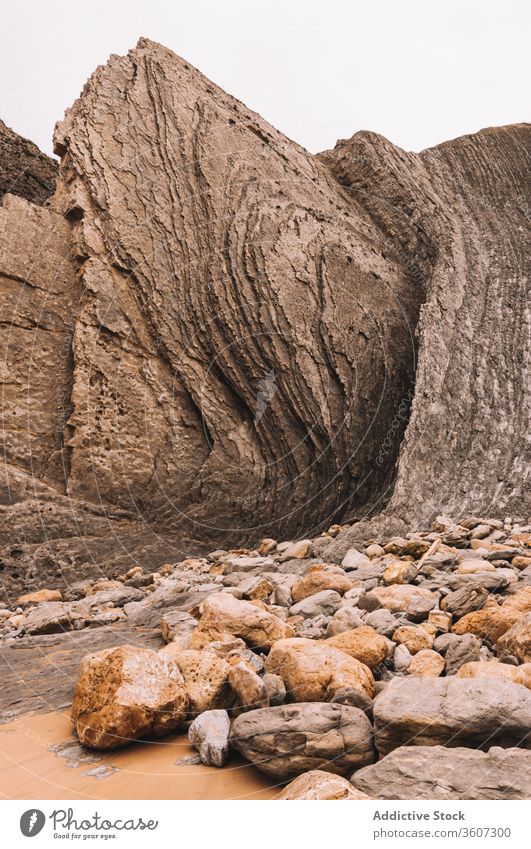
(414, 601)
(275, 689)
(317, 581)
(426, 662)
(517, 640)
(464, 649)
(323, 603)
(441, 619)
(39, 596)
(318, 784)
(354, 559)
(296, 551)
(374, 550)
(247, 686)
(382, 621)
(465, 600)
(224, 617)
(363, 643)
(176, 624)
(401, 658)
(471, 566)
(52, 617)
(209, 735)
(255, 587)
(414, 638)
(267, 546)
(399, 572)
(490, 623)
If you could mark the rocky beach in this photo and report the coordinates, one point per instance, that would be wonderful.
(265, 515)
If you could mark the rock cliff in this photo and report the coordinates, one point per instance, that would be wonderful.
(211, 334)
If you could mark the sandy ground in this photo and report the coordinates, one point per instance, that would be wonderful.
(30, 769)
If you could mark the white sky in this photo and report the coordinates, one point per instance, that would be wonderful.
(417, 71)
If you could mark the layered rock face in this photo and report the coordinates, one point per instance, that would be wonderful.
(25, 171)
(214, 335)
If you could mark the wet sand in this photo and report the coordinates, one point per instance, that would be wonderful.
(143, 770)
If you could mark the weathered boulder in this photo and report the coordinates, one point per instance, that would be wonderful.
(315, 582)
(39, 596)
(355, 559)
(426, 662)
(516, 640)
(414, 638)
(436, 772)
(291, 739)
(463, 649)
(53, 617)
(492, 669)
(209, 734)
(125, 693)
(247, 686)
(414, 601)
(490, 623)
(399, 572)
(318, 784)
(177, 625)
(363, 643)
(205, 677)
(323, 603)
(275, 689)
(453, 711)
(224, 615)
(465, 600)
(520, 601)
(314, 671)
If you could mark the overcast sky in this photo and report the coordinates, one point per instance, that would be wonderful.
(417, 71)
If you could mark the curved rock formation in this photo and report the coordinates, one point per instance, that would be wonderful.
(235, 334)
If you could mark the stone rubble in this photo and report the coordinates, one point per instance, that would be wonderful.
(320, 668)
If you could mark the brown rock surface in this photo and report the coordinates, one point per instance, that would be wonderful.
(24, 170)
(363, 643)
(205, 678)
(125, 693)
(314, 671)
(516, 640)
(489, 623)
(435, 772)
(225, 615)
(318, 784)
(476, 712)
(316, 582)
(490, 669)
(291, 739)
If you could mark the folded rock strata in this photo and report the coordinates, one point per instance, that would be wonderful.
(212, 332)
